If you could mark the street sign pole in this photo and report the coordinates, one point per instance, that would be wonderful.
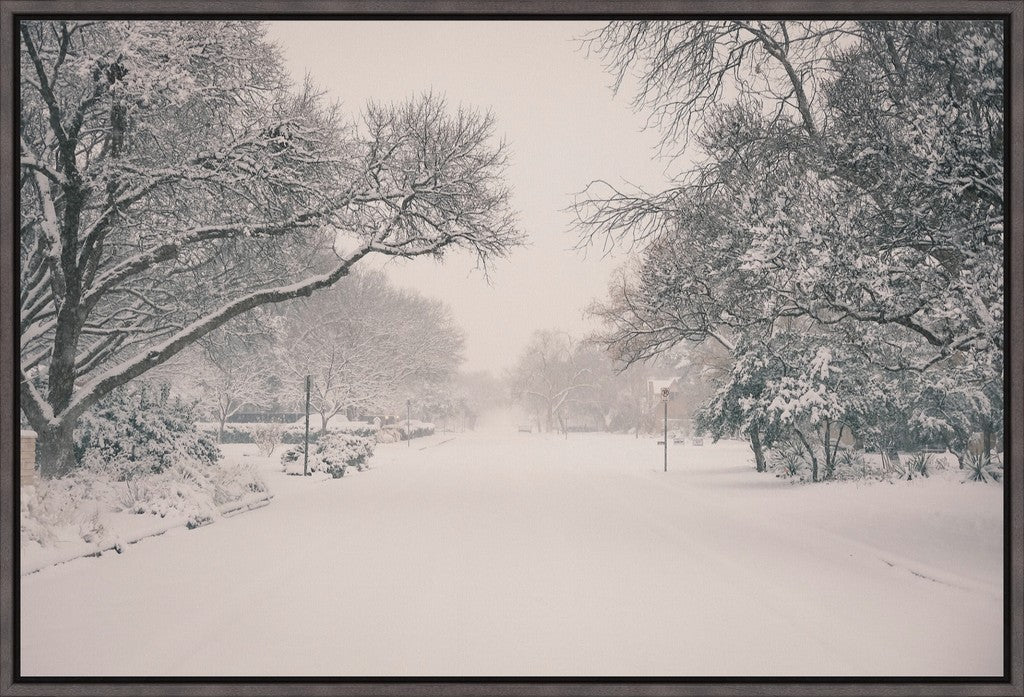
(305, 449)
(664, 399)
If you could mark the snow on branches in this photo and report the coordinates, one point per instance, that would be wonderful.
(848, 177)
(172, 179)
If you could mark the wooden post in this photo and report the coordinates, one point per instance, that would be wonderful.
(305, 450)
(28, 458)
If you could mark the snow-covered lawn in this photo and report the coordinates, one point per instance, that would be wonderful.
(504, 553)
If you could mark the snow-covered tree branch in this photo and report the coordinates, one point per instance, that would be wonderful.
(172, 179)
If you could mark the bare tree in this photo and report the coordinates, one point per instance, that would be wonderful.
(233, 371)
(364, 344)
(548, 377)
(172, 180)
(815, 180)
(685, 68)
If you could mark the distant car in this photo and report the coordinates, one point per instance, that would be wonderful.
(698, 441)
(679, 440)
(526, 429)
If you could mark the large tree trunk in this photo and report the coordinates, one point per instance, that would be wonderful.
(810, 451)
(55, 450)
(755, 445)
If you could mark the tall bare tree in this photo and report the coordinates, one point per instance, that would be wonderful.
(172, 179)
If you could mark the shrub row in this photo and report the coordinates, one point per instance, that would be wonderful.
(291, 434)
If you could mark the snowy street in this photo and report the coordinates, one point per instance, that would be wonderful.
(504, 553)
(346, 348)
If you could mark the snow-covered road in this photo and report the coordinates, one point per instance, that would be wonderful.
(500, 553)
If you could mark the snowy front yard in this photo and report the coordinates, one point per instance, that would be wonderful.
(500, 553)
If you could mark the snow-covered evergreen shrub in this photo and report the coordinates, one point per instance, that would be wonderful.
(416, 429)
(403, 430)
(333, 453)
(140, 453)
(141, 430)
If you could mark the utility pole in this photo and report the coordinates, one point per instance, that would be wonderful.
(664, 399)
(408, 422)
(305, 450)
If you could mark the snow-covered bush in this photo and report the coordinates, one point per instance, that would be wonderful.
(413, 429)
(92, 505)
(235, 481)
(295, 433)
(851, 464)
(69, 508)
(140, 430)
(140, 454)
(402, 431)
(178, 492)
(267, 437)
(333, 453)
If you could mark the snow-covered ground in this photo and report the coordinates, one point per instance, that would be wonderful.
(505, 553)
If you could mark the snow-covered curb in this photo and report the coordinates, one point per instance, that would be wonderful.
(43, 558)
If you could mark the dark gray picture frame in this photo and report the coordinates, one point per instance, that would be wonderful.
(1012, 683)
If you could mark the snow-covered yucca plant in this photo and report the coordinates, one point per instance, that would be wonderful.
(981, 468)
(787, 459)
(919, 464)
(850, 464)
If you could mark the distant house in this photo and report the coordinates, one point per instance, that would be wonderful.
(680, 409)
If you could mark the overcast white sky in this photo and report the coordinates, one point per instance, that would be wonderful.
(564, 126)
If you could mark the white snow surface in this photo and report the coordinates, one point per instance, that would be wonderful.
(515, 554)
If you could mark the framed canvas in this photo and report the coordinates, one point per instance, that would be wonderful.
(480, 347)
